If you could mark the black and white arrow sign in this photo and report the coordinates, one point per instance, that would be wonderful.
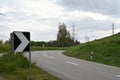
(21, 41)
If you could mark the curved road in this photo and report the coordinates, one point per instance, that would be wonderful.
(67, 68)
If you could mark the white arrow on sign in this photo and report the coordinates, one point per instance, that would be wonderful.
(24, 41)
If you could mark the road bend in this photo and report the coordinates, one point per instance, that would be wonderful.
(68, 68)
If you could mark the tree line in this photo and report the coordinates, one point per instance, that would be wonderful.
(64, 39)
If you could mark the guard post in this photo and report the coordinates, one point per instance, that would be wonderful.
(91, 56)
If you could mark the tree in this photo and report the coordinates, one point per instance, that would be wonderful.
(63, 37)
(62, 33)
(7, 42)
(1, 41)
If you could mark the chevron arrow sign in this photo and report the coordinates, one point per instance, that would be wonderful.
(20, 41)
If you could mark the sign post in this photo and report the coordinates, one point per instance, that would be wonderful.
(30, 66)
(20, 42)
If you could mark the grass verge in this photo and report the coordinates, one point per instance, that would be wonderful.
(105, 50)
(37, 48)
(16, 67)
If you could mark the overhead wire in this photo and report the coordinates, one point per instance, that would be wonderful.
(98, 9)
(78, 8)
(95, 8)
(89, 8)
(106, 27)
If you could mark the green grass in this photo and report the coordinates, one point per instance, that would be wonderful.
(37, 48)
(106, 50)
(16, 67)
(4, 48)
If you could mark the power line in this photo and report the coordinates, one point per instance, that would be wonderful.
(94, 7)
(89, 8)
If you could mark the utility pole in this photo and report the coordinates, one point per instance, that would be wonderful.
(86, 38)
(113, 28)
(73, 32)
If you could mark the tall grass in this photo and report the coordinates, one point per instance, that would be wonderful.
(16, 67)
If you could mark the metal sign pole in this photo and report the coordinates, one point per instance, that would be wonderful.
(30, 67)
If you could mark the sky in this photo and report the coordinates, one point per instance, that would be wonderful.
(92, 18)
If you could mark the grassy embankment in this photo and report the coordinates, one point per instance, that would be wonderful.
(105, 50)
(16, 67)
(37, 48)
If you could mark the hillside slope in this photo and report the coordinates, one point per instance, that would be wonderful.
(105, 50)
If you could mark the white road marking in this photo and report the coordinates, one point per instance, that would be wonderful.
(49, 56)
(52, 57)
(46, 54)
(117, 76)
(72, 63)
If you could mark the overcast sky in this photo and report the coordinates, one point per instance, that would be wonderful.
(91, 18)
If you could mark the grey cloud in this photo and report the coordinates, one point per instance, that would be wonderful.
(44, 36)
(12, 15)
(90, 26)
(106, 7)
(47, 19)
(17, 15)
(4, 28)
(4, 37)
(4, 32)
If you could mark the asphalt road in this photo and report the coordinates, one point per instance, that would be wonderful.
(67, 68)
(1, 78)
